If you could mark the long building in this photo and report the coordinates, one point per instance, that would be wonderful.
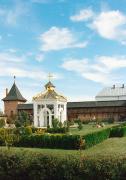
(110, 103)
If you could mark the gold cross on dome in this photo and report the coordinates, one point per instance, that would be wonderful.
(50, 76)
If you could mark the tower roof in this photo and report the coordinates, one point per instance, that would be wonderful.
(14, 95)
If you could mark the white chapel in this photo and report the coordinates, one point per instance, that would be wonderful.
(49, 105)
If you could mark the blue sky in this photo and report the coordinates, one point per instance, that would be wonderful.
(81, 42)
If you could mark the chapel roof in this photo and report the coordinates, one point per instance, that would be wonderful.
(50, 93)
(14, 95)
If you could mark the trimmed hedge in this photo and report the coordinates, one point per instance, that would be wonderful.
(26, 164)
(57, 130)
(118, 131)
(50, 141)
(96, 137)
(60, 141)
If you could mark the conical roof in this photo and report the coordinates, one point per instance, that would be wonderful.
(14, 95)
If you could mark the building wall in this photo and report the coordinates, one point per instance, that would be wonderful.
(92, 113)
(10, 107)
(84, 114)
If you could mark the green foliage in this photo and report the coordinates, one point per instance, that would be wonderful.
(57, 130)
(60, 124)
(2, 123)
(28, 164)
(8, 137)
(55, 123)
(50, 141)
(24, 131)
(23, 119)
(96, 137)
(118, 131)
(80, 125)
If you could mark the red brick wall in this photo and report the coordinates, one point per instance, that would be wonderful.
(10, 107)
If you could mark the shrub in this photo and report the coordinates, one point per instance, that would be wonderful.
(28, 164)
(25, 131)
(57, 130)
(96, 137)
(80, 126)
(55, 123)
(2, 123)
(118, 131)
(50, 141)
(40, 131)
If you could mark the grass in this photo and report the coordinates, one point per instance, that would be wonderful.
(110, 147)
(88, 128)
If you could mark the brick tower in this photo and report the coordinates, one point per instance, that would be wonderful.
(12, 99)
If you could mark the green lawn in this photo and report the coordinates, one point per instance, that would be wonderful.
(88, 128)
(110, 147)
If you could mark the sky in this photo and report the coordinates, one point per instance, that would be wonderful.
(82, 43)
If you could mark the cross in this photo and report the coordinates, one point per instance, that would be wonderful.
(50, 76)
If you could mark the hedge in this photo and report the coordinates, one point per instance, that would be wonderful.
(118, 131)
(26, 164)
(50, 141)
(57, 130)
(96, 137)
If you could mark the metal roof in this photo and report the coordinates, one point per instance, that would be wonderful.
(92, 104)
(85, 104)
(112, 91)
(24, 106)
(14, 95)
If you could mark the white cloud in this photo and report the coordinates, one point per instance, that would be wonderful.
(9, 57)
(12, 64)
(83, 15)
(101, 71)
(113, 62)
(59, 38)
(110, 25)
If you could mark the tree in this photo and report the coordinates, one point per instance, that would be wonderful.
(23, 119)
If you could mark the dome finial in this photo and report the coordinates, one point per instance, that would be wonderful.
(14, 78)
(50, 76)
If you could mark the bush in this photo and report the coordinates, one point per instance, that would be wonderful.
(96, 137)
(28, 164)
(25, 131)
(57, 130)
(50, 141)
(2, 123)
(118, 131)
(80, 126)
(55, 123)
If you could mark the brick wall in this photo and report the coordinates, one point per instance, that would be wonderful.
(10, 107)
